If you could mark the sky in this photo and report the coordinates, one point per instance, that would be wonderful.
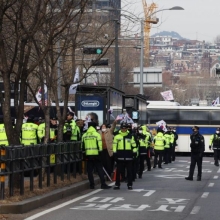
(200, 19)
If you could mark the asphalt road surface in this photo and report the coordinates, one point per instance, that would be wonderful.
(160, 194)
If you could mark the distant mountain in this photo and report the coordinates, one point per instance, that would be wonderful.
(169, 33)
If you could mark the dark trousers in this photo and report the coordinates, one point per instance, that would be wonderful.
(121, 165)
(172, 152)
(158, 153)
(91, 164)
(196, 158)
(135, 167)
(107, 162)
(144, 157)
(167, 155)
(216, 156)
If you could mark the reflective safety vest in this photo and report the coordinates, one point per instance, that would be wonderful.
(91, 142)
(124, 146)
(168, 140)
(159, 141)
(29, 133)
(215, 141)
(3, 136)
(75, 131)
(41, 131)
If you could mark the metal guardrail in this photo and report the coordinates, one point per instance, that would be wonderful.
(19, 161)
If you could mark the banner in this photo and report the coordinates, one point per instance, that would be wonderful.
(167, 95)
(39, 95)
(73, 87)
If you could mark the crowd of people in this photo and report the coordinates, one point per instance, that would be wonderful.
(117, 152)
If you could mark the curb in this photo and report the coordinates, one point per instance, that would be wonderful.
(38, 201)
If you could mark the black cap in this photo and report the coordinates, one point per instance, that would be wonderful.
(70, 113)
(159, 130)
(31, 117)
(217, 129)
(124, 125)
(195, 127)
(53, 118)
(92, 123)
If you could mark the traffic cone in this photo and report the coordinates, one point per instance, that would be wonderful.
(114, 174)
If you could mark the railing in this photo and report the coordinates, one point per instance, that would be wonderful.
(19, 161)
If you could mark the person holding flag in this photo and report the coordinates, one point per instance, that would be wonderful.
(107, 141)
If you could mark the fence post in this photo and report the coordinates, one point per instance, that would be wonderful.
(2, 171)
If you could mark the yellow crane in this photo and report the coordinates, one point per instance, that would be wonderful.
(150, 18)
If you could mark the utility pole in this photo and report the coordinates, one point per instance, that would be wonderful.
(117, 73)
(141, 58)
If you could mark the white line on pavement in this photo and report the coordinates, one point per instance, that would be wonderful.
(218, 170)
(62, 205)
(215, 177)
(195, 210)
(211, 184)
(205, 195)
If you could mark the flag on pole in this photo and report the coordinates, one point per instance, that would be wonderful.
(110, 111)
(39, 95)
(215, 102)
(73, 87)
(167, 95)
(162, 124)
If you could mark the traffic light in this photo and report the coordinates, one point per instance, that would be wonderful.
(92, 50)
(102, 62)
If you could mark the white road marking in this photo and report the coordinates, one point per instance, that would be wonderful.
(212, 163)
(206, 161)
(211, 184)
(205, 195)
(215, 177)
(172, 176)
(218, 170)
(150, 192)
(195, 210)
(62, 205)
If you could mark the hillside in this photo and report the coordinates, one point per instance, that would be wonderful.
(173, 34)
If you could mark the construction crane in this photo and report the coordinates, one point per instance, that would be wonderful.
(150, 18)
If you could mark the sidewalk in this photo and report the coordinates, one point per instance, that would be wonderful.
(38, 201)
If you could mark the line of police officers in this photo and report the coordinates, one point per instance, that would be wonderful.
(130, 147)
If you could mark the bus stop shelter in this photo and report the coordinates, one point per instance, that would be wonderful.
(98, 99)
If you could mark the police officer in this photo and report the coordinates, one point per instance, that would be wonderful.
(92, 149)
(29, 131)
(159, 143)
(124, 150)
(197, 148)
(167, 148)
(3, 136)
(144, 141)
(175, 138)
(215, 144)
(71, 130)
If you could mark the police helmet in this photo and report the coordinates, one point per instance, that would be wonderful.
(124, 125)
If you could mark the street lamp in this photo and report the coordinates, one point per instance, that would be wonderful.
(142, 43)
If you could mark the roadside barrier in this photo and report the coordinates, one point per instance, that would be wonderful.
(19, 162)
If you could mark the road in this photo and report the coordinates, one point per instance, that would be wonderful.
(160, 194)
